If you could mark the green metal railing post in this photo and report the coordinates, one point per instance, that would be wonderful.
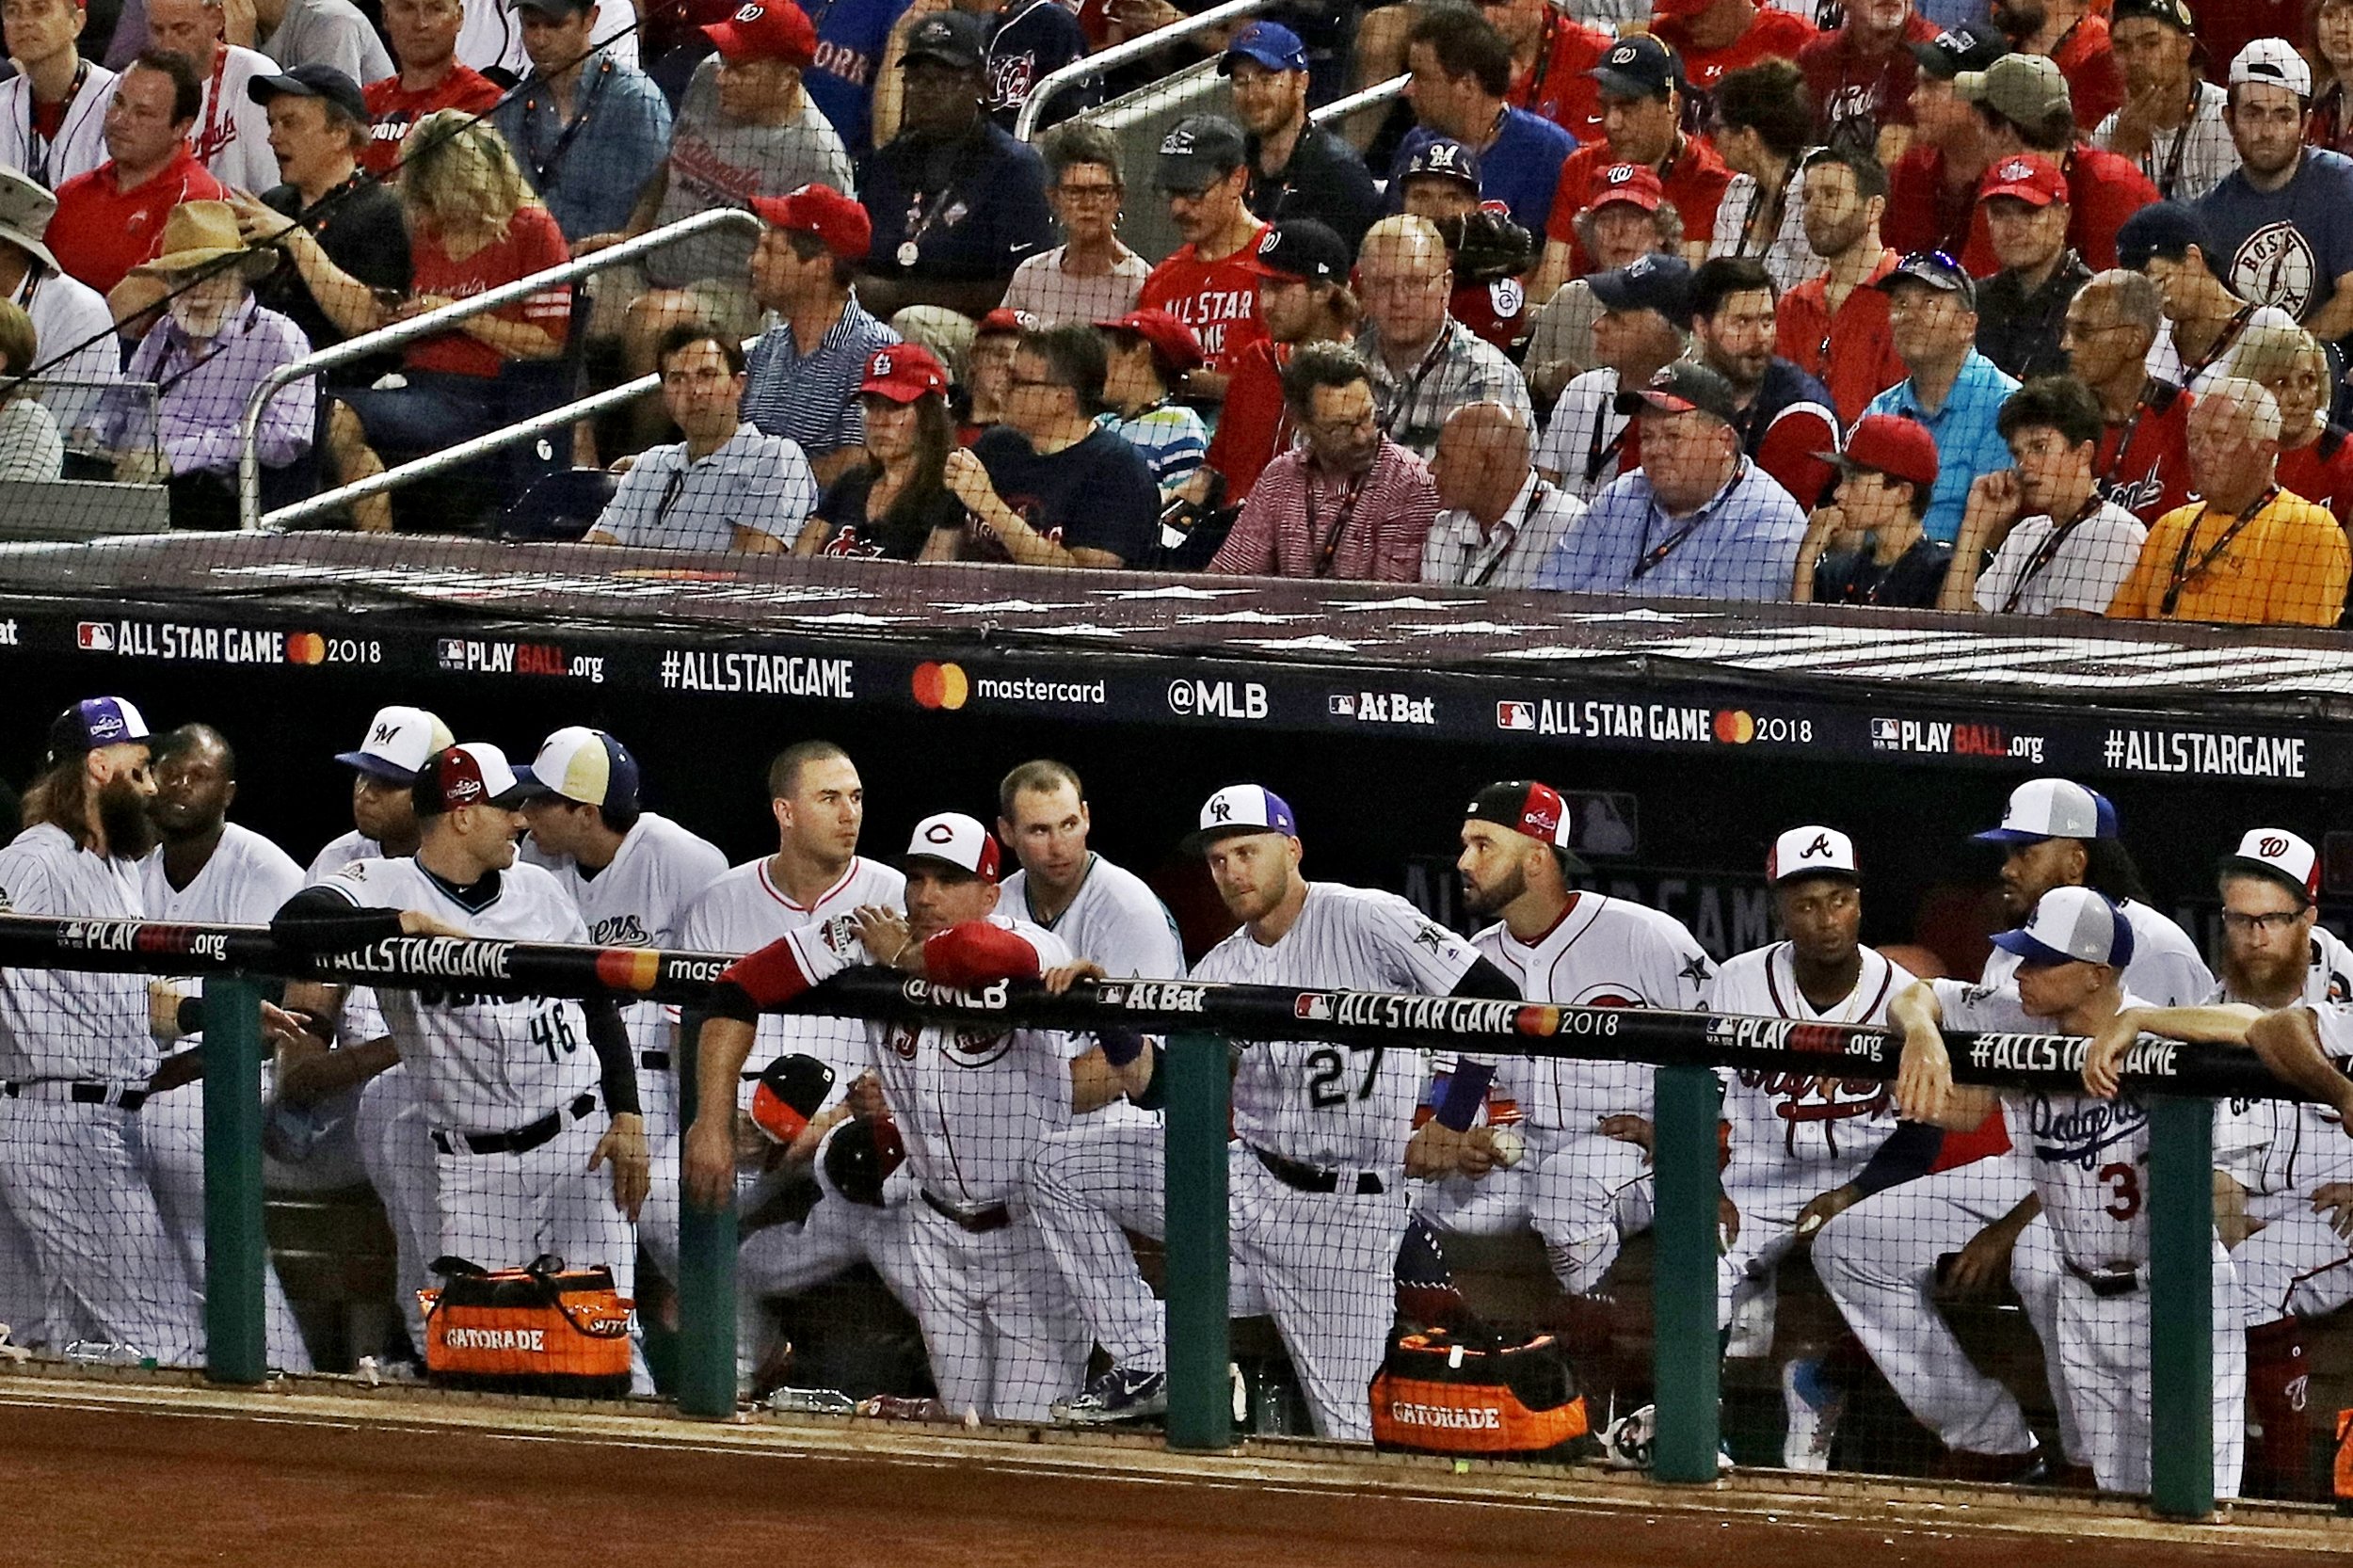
(1684, 1279)
(706, 1285)
(1196, 1091)
(236, 1347)
(2181, 1305)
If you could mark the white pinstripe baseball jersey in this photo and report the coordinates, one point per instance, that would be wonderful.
(638, 900)
(2305, 1145)
(60, 1023)
(340, 851)
(1786, 1124)
(1115, 919)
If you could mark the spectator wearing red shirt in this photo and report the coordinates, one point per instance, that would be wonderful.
(2072, 38)
(2021, 101)
(1641, 106)
(423, 35)
(1208, 283)
(473, 225)
(1862, 74)
(112, 218)
(1303, 272)
(2315, 454)
(1834, 327)
(1552, 58)
(2143, 461)
(1932, 189)
(1717, 37)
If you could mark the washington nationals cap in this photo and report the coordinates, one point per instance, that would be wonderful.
(1002, 320)
(1302, 248)
(585, 765)
(791, 1090)
(1890, 444)
(956, 841)
(1525, 805)
(398, 740)
(766, 31)
(2281, 855)
(94, 722)
(315, 81)
(1176, 345)
(2272, 62)
(1268, 44)
(2071, 925)
(1958, 49)
(839, 224)
(1198, 152)
(1443, 158)
(2052, 809)
(473, 774)
(1637, 184)
(957, 39)
(1810, 852)
(1682, 388)
(2028, 177)
(1638, 67)
(1242, 809)
(904, 372)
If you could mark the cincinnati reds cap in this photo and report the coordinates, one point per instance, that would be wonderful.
(2052, 809)
(586, 765)
(2273, 62)
(1525, 805)
(2071, 925)
(398, 742)
(474, 774)
(94, 722)
(2281, 855)
(1810, 852)
(790, 1090)
(956, 840)
(1242, 809)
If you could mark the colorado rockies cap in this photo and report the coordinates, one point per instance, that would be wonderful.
(2071, 925)
(1810, 852)
(2273, 62)
(94, 722)
(1242, 809)
(953, 838)
(1525, 805)
(1443, 158)
(2281, 856)
(473, 774)
(398, 740)
(585, 765)
(2052, 809)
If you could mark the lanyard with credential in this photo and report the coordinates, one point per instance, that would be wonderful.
(1328, 544)
(220, 129)
(38, 146)
(2184, 573)
(1506, 536)
(546, 171)
(1654, 554)
(2048, 550)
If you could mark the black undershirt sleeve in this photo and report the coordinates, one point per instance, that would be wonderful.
(609, 1037)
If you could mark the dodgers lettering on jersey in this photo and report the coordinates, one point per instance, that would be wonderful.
(636, 901)
(63, 1023)
(482, 1064)
(1328, 1105)
(2166, 963)
(1602, 953)
(1115, 919)
(1786, 1124)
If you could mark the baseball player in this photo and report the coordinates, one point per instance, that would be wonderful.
(2088, 1158)
(382, 769)
(1794, 1136)
(75, 1055)
(522, 1118)
(1001, 1330)
(1102, 910)
(1884, 1237)
(1315, 1175)
(206, 871)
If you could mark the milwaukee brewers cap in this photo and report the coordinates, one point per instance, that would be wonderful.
(1242, 809)
(94, 722)
(2281, 855)
(586, 765)
(474, 774)
(2071, 925)
(1443, 158)
(398, 742)
(1810, 852)
(2052, 809)
(956, 840)
(1525, 805)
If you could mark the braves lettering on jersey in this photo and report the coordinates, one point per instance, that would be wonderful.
(2166, 963)
(1327, 1105)
(1786, 1124)
(1114, 918)
(246, 881)
(41, 873)
(1602, 953)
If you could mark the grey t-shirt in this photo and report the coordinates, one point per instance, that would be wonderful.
(328, 32)
(718, 161)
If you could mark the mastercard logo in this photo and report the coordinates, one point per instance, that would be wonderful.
(941, 686)
(1735, 727)
(629, 969)
(305, 648)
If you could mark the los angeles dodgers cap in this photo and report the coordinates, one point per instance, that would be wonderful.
(2052, 809)
(2071, 925)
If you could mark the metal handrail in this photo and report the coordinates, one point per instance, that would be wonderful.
(1341, 108)
(425, 325)
(1057, 82)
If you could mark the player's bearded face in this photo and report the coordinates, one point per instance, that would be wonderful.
(1252, 871)
(2030, 871)
(1494, 874)
(122, 816)
(2262, 953)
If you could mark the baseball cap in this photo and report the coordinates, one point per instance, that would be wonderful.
(956, 840)
(1682, 388)
(2281, 855)
(2173, 14)
(766, 31)
(2273, 62)
(1176, 345)
(1242, 809)
(398, 742)
(904, 372)
(1810, 852)
(1958, 49)
(2071, 925)
(791, 1089)
(2052, 809)
(1525, 805)
(585, 765)
(1002, 320)
(1890, 444)
(1638, 67)
(473, 773)
(1443, 157)
(1636, 183)
(2161, 228)
(315, 81)
(956, 40)
(1937, 270)
(2025, 90)
(841, 223)
(1270, 44)
(2029, 177)
(94, 722)
(1657, 281)
(1303, 249)
(1198, 152)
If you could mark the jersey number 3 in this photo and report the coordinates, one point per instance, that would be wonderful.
(1325, 1067)
(2126, 1202)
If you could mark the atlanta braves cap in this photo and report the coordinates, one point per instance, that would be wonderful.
(1242, 809)
(2071, 925)
(585, 765)
(473, 774)
(94, 722)
(1810, 852)
(2281, 856)
(399, 740)
(1525, 805)
(953, 838)
(2052, 809)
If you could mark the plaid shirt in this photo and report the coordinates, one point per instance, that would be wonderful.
(1460, 367)
(1967, 445)
(1742, 544)
(1372, 528)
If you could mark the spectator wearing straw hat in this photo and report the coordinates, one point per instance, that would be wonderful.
(896, 504)
(1150, 352)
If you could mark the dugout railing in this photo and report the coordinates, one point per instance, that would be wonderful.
(238, 963)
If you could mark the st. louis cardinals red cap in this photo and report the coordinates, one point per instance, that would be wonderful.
(1527, 807)
(2281, 856)
(956, 840)
(1810, 852)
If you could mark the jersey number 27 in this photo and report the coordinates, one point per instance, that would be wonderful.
(1327, 1068)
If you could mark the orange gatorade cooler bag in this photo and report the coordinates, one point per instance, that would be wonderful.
(544, 1330)
(1442, 1393)
(2343, 1487)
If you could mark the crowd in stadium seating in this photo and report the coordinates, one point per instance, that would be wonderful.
(1896, 302)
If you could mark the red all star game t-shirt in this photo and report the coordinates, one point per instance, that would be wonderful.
(1218, 300)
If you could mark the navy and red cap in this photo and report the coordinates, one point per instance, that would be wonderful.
(1525, 805)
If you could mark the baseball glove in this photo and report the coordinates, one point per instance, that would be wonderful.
(1487, 246)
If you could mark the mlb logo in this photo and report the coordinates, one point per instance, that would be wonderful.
(1342, 706)
(1515, 715)
(452, 652)
(1883, 733)
(94, 636)
(1312, 1005)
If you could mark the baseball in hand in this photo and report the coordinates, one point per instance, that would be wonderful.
(1508, 1146)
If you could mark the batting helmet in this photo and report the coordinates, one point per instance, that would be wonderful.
(859, 1157)
(790, 1090)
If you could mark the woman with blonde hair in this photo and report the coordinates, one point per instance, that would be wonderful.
(474, 224)
(30, 445)
(2315, 456)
